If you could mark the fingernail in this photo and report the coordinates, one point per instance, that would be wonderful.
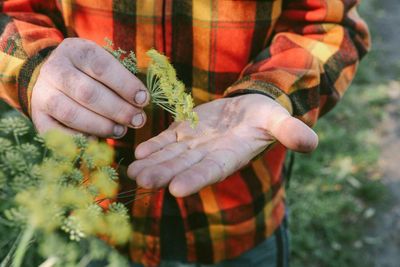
(118, 131)
(141, 97)
(137, 120)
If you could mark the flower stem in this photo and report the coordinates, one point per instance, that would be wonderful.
(6, 261)
(23, 246)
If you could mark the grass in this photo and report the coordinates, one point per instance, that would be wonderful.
(334, 191)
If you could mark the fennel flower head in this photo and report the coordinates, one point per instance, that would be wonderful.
(165, 89)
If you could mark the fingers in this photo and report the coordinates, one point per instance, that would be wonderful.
(44, 123)
(66, 111)
(95, 96)
(155, 144)
(186, 170)
(102, 66)
(296, 135)
(161, 174)
(215, 167)
(169, 152)
(291, 132)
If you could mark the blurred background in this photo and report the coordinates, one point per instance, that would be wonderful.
(347, 212)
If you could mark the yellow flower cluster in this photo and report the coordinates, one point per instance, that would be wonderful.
(106, 186)
(167, 91)
(59, 201)
(55, 186)
(101, 154)
(61, 144)
(111, 225)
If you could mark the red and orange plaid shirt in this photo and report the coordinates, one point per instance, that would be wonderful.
(303, 53)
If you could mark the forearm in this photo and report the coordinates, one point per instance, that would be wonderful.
(312, 58)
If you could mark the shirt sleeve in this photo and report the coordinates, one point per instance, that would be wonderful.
(312, 58)
(28, 33)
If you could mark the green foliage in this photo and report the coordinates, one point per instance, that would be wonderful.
(49, 191)
(334, 191)
(129, 61)
(14, 125)
(331, 204)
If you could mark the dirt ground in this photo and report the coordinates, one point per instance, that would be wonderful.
(386, 226)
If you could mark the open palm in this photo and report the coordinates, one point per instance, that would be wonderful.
(231, 131)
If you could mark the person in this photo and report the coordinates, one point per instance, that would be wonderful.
(261, 74)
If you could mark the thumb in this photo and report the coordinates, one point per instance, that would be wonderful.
(293, 133)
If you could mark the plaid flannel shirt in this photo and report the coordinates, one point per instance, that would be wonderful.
(302, 53)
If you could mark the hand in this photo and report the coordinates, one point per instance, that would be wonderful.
(83, 88)
(230, 133)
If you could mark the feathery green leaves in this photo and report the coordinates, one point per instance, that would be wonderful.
(49, 187)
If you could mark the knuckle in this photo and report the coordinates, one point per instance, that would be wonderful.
(124, 114)
(88, 53)
(87, 94)
(66, 78)
(59, 109)
(99, 65)
(145, 182)
(67, 114)
(81, 49)
(85, 52)
(53, 103)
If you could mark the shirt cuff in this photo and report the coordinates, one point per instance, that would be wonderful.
(248, 86)
(27, 78)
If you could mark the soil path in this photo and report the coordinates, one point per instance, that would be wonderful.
(386, 226)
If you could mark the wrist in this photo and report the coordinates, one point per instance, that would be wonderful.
(27, 78)
(247, 86)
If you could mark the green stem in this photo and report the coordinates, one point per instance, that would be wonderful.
(167, 108)
(16, 139)
(78, 158)
(23, 246)
(5, 262)
(162, 102)
(85, 261)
